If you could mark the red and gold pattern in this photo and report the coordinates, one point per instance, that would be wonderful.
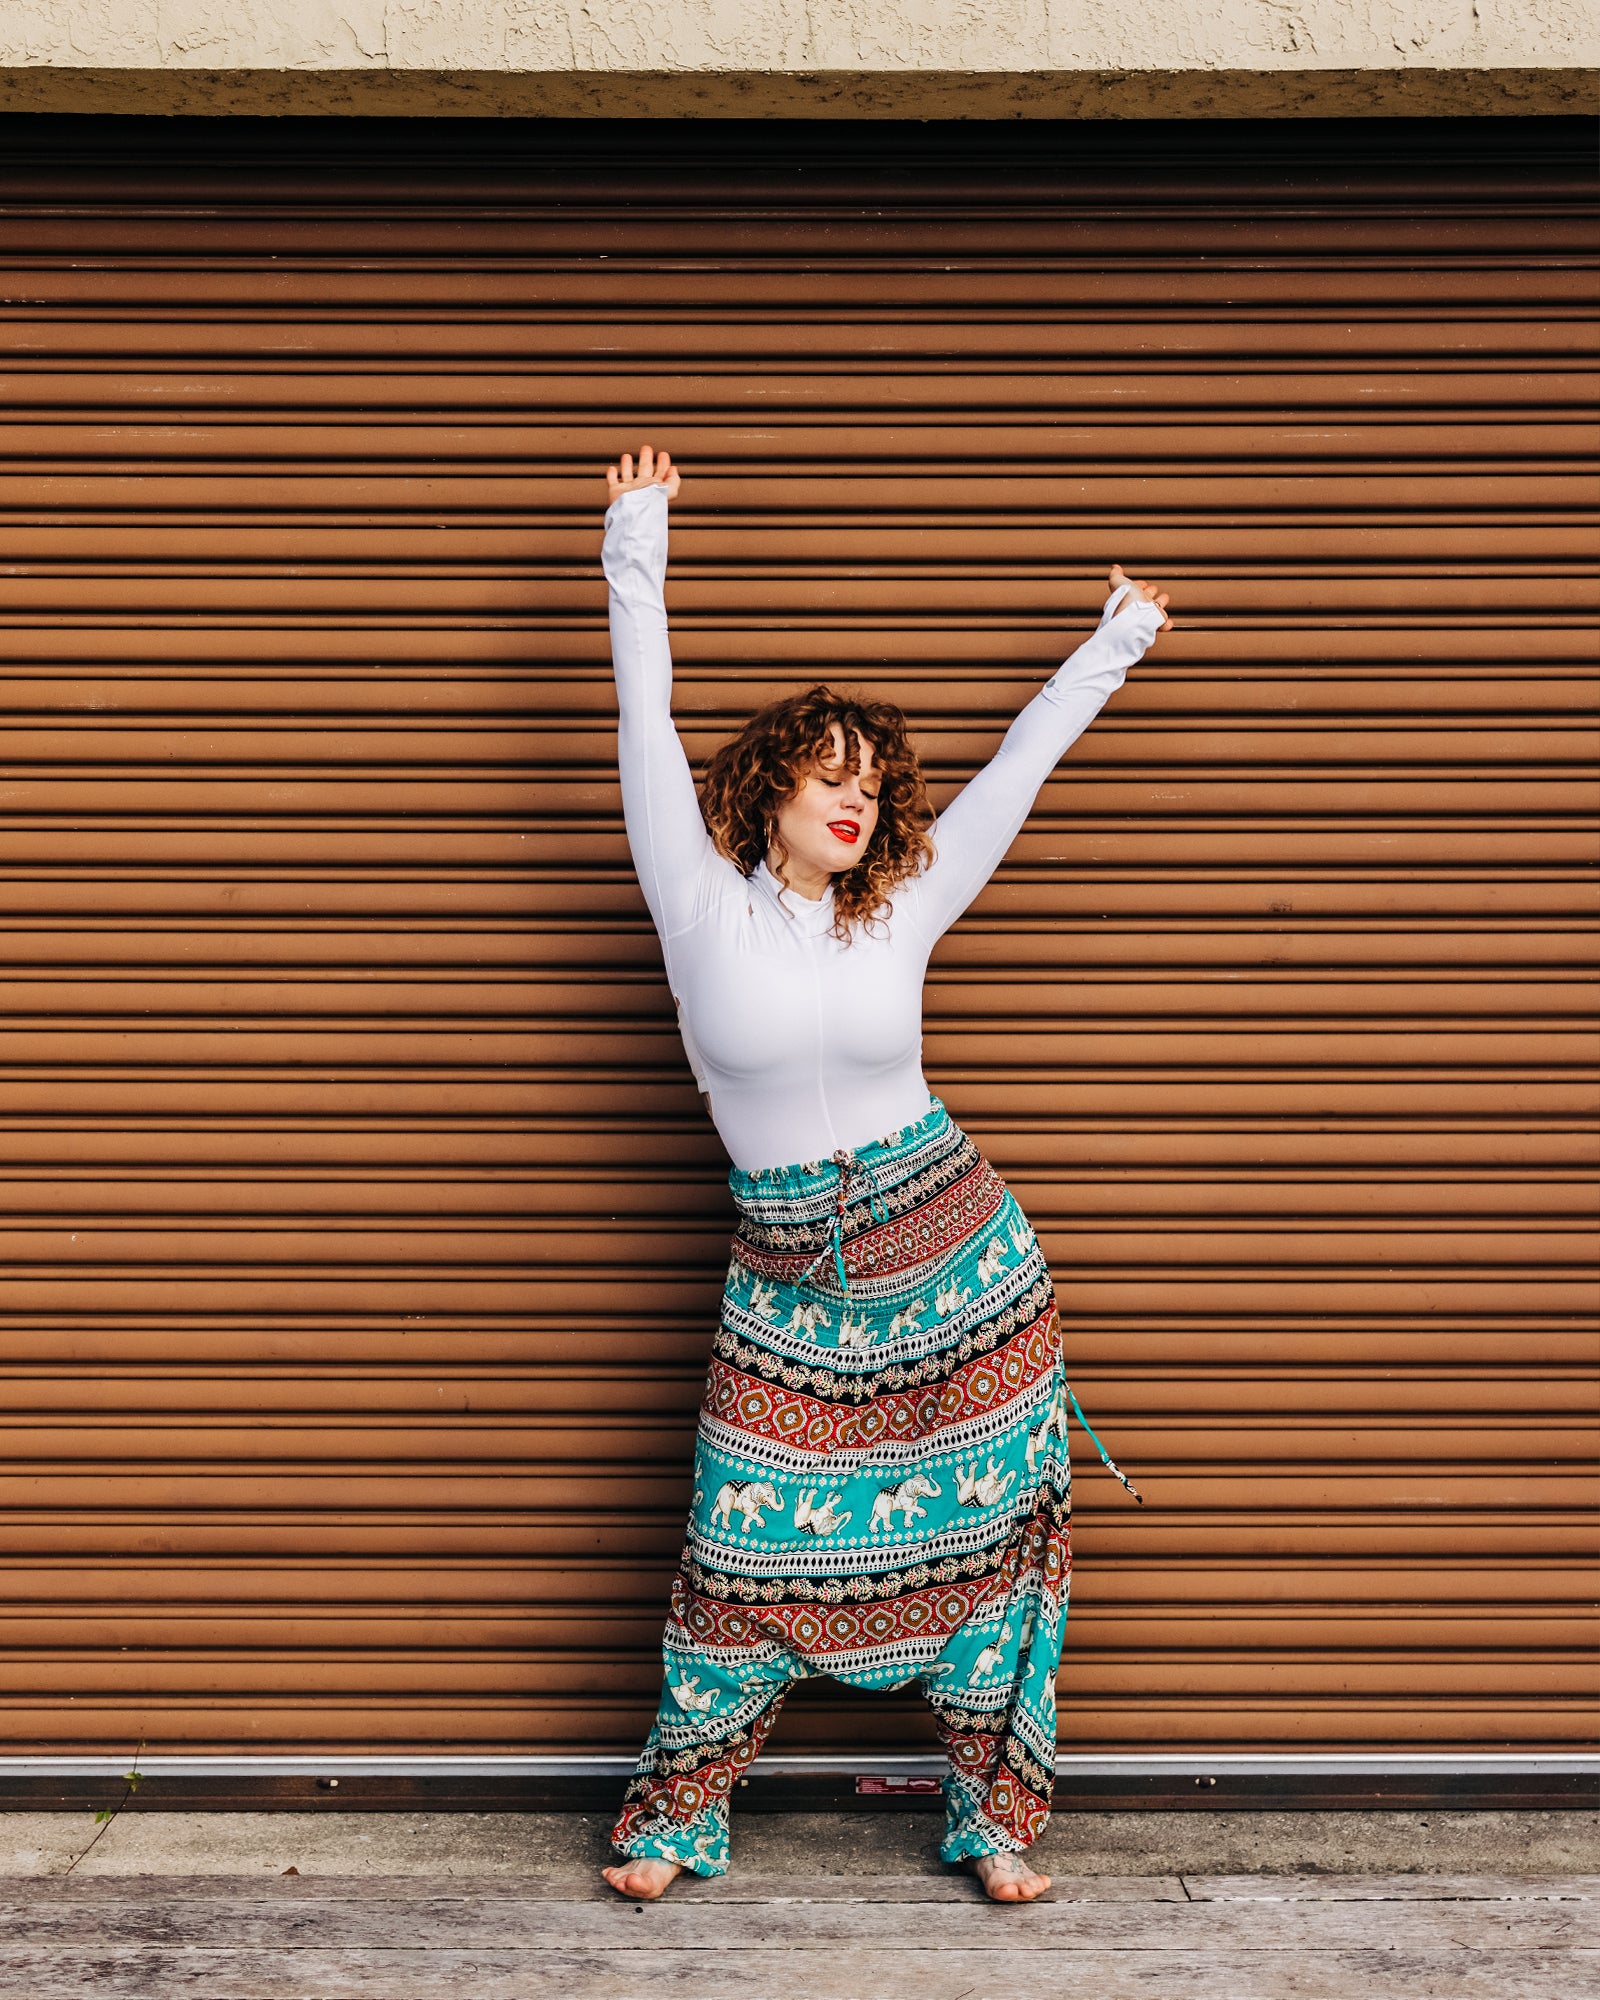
(818, 1630)
(681, 1796)
(1018, 1805)
(905, 1243)
(765, 1409)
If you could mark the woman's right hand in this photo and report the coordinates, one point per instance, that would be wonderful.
(655, 469)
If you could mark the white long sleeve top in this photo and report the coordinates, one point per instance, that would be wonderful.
(805, 1044)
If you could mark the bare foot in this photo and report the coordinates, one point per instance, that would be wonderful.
(642, 1881)
(1007, 1878)
(1141, 592)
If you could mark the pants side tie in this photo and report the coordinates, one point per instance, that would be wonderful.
(1109, 1462)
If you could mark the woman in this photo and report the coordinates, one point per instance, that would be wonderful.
(882, 1490)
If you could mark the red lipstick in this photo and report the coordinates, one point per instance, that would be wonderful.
(844, 829)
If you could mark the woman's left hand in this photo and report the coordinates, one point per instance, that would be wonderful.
(655, 469)
(1141, 593)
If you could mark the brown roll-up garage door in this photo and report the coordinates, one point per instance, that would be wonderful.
(364, 1228)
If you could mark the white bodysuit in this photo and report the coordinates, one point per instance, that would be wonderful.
(805, 1044)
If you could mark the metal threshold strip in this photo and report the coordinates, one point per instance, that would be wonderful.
(1376, 1763)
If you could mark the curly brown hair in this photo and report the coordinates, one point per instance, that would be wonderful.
(752, 775)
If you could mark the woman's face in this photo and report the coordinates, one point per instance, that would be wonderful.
(828, 822)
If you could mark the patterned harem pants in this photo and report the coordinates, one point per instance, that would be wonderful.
(882, 1489)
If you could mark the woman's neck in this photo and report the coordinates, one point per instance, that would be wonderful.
(812, 883)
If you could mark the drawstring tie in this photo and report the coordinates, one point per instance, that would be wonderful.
(1106, 1459)
(846, 1164)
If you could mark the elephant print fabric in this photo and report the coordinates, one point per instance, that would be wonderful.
(882, 1489)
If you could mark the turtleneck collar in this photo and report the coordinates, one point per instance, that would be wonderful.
(811, 918)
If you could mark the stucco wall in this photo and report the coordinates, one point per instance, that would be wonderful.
(846, 57)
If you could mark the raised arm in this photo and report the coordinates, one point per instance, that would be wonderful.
(673, 855)
(971, 835)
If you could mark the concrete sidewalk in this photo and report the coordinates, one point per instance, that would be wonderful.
(770, 1845)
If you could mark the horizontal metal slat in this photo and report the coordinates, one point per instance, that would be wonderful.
(1309, 1293)
(1461, 285)
(296, 999)
(1364, 966)
(959, 384)
(1491, 756)
(982, 233)
(1197, 487)
(1311, 1402)
(728, 335)
(643, 1250)
(453, 1486)
(554, 1197)
(724, 336)
(1225, 1646)
(1287, 1540)
(585, 709)
(588, 1139)
(483, 1587)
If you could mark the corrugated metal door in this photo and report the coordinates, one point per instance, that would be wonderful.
(365, 1231)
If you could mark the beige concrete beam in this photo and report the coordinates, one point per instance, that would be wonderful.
(838, 94)
(1013, 38)
(801, 58)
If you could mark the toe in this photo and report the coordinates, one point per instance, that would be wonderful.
(1012, 1882)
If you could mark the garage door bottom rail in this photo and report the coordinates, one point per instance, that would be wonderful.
(898, 1784)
